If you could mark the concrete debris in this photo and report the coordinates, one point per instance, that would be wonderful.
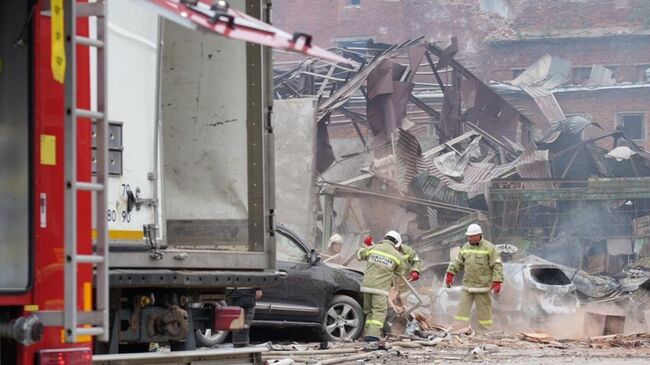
(340, 360)
(639, 340)
(536, 337)
(599, 324)
(280, 362)
(479, 352)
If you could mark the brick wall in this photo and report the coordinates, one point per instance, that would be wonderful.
(625, 52)
(602, 107)
(549, 15)
(393, 21)
(496, 42)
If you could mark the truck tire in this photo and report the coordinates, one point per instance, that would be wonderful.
(343, 320)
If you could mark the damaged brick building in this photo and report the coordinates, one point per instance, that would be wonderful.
(606, 43)
(574, 72)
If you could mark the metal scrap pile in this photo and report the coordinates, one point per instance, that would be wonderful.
(438, 149)
(402, 100)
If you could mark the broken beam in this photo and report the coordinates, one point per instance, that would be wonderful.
(349, 190)
(421, 104)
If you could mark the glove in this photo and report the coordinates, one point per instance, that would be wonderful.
(367, 241)
(414, 275)
(496, 287)
(449, 278)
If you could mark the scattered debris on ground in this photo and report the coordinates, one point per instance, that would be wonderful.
(522, 347)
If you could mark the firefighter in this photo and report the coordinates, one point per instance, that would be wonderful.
(245, 298)
(483, 273)
(334, 248)
(413, 266)
(384, 263)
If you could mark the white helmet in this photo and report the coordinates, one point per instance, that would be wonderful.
(396, 238)
(473, 229)
(336, 238)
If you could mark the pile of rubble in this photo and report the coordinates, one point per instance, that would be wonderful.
(459, 347)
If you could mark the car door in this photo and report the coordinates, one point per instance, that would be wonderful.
(300, 296)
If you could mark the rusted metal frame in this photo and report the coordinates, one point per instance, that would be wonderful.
(633, 146)
(364, 92)
(456, 100)
(353, 115)
(439, 127)
(490, 155)
(566, 194)
(570, 164)
(290, 87)
(288, 72)
(498, 152)
(595, 139)
(435, 73)
(489, 137)
(422, 105)
(310, 79)
(343, 190)
(356, 118)
(315, 74)
(324, 116)
(436, 150)
(325, 82)
(452, 62)
(469, 75)
(551, 180)
(636, 170)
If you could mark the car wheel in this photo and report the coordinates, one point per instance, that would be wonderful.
(343, 320)
(208, 338)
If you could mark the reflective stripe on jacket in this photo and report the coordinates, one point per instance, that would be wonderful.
(384, 262)
(482, 265)
(413, 262)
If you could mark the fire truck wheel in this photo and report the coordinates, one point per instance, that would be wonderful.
(343, 320)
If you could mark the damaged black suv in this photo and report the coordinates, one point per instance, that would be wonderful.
(314, 294)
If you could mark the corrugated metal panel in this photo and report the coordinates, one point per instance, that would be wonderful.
(431, 183)
(547, 103)
(431, 188)
(408, 152)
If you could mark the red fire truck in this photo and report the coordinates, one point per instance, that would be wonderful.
(109, 238)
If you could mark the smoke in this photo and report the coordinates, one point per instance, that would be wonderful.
(577, 229)
(580, 324)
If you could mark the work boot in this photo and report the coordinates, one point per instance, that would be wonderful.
(371, 339)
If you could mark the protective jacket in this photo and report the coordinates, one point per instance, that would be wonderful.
(384, 262)
(482, 265)
(411, 258)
